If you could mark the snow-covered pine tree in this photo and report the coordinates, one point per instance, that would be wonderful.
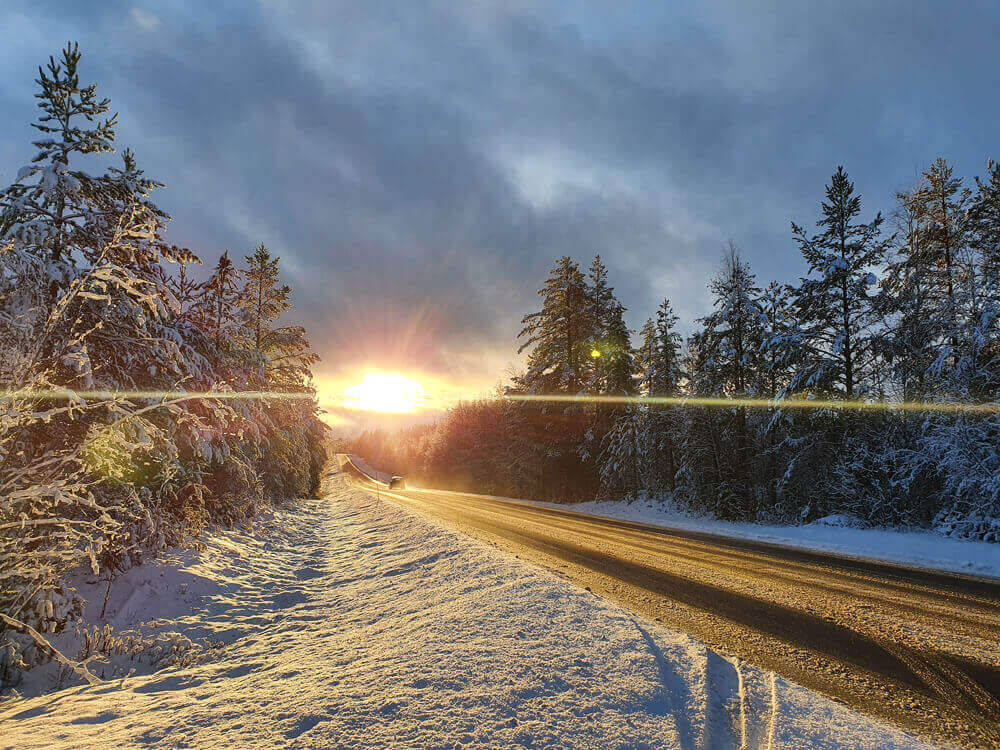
(984, 223)
(85, 303)
(923, 294)
(833, 305)
(600, 309)
(219, 303)
(780, 354)
(726, 355)
(906, 338)
(701, 431)
(185, 291)
(967, 369)
(285, 350)
(663, 374)
(285, 356)
(558, 336)
(612, 371)
(82, 295)
(623, 459)
(618, 359)
(610, 363)
(559, 333)
(647, 433)
(623, 449)
(834, 347)
(665, 370)
(264, 298)
(645, 357)
(52, 206)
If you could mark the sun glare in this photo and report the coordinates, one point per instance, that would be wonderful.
(384, 392)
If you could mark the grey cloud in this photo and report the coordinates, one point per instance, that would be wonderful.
(394, 154)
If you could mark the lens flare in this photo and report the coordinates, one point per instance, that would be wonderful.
(765, 403)
(67, 394)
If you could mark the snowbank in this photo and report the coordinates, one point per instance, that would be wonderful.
(352, 623)
(922, 548)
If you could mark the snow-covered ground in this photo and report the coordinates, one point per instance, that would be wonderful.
(350, 622)
(921, 548)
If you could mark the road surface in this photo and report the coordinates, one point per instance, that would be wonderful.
(917, 647)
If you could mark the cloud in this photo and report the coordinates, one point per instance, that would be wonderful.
(144, 19)
(418, 166)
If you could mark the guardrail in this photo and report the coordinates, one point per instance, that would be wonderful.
(349, 460)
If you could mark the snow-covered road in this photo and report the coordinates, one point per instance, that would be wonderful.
(351, 622)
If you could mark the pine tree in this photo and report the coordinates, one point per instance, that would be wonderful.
(984, 221)
(663, 374)
(86, 303)
(624, 456)
(284, 350)
(51, 205)
(219, 302)
(781, 350)
(645, 357)
(618, 359)
(780, 354)
(733, 331)
(939, 203)
(185, 293)
(833, 306)
(703, 433)
(559, 333)
(611, 364)
(726, 354)
(665, 370)
(264, 299)
(908, 337)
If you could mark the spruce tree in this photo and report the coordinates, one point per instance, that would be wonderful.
(284, 349)
(645, 357)
(663, 376)
(727, 357)
(666, 371)
(264, 298)
(219, 302)
(612, 369)
(906, 302)
(185, 292)
(52, 205)
(984, 222)
(559, 333)
(833, 305)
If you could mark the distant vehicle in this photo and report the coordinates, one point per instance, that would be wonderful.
(397, 483)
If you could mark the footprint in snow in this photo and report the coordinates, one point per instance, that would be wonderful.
(289, 599)
(303, 725)
(101, 718)
(174, 682)
(306, 574)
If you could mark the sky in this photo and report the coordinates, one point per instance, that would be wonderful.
(419, 165)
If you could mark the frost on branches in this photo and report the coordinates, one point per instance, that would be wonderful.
(98, 315)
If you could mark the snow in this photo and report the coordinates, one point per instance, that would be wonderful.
(351, 622)
(831, 534)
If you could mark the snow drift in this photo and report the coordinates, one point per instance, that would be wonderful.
(350, 622)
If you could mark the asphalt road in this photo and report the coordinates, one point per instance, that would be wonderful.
(917, 647)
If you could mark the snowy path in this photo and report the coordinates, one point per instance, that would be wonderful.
(354, 623)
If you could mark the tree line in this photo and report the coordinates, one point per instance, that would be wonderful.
(894, 312)
(138, 403)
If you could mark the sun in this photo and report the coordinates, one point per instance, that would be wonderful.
(386, 392)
